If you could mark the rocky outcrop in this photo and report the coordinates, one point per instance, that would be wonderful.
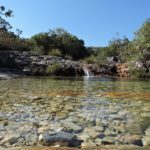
(32, 64)
(41, 65)
(122, 70)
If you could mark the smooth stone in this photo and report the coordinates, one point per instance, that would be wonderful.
(113, 111)
(12, 127)
(92, 132)
(70, 126)
(147, 132)
(146, 109)
(146, 140)
(122, 112)
(133, 128)
(99, 128)
(31, 139)
(68, 138)
(11, 139)
(104, 123)
(88, 144)
(98, 141)
(43, 129)
(61, 129)
(116, 117)
(98, 122)
(118, 126)
(61, 116)
(56, 127)
(25, 116)
(84, 136)
(45, 117)
(110, 132)
(131, 139)
(30, 97)
(69, 108)
(146, 114)
(1, 137)
(2, 128)
(44, 123)
(90, 120)
(101, 135)
(145, 123)
(108, 140)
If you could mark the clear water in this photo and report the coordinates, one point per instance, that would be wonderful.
(81, 98)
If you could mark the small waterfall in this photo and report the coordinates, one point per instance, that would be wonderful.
(87, 72)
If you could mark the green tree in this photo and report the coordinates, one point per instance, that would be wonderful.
(142, 36)
(68, 44)
(142, 41)
(8, 39)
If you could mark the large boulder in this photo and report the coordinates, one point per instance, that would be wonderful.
(61, 139)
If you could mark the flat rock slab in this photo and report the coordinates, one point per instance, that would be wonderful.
(63, 139)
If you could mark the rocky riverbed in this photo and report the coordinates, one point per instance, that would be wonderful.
(73, 113)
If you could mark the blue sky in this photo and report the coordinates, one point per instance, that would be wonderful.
(94, 21)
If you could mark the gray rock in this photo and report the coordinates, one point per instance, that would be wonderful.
(67, 138)
(116, 117)
(70, 126)
(92, 132)
(84, 136)
(2, 128)
(99, 128)
(133, 128)
(146, 140)
(43, 129)
(98, 141)
(88, 145)
(110, 132)
(147, 132)
(131, 139)
(108, 140)
(56, 126)
(11, 139)
(145, 114)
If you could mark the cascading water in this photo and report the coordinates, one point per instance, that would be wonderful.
(87, 72)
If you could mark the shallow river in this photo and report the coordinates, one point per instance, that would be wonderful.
(93, 110)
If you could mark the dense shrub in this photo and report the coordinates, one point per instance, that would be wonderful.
(66, 43)
(52, 69)
(125, 50)
(55, 52)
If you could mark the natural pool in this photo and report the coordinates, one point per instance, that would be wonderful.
(74, 111)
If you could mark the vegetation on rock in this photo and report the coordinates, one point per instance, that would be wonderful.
(52, 69)
(135, 53)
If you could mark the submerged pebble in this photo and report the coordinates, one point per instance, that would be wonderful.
(57, 113)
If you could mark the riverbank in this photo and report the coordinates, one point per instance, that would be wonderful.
(30, 64)
(39, 65)
(8, 73)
